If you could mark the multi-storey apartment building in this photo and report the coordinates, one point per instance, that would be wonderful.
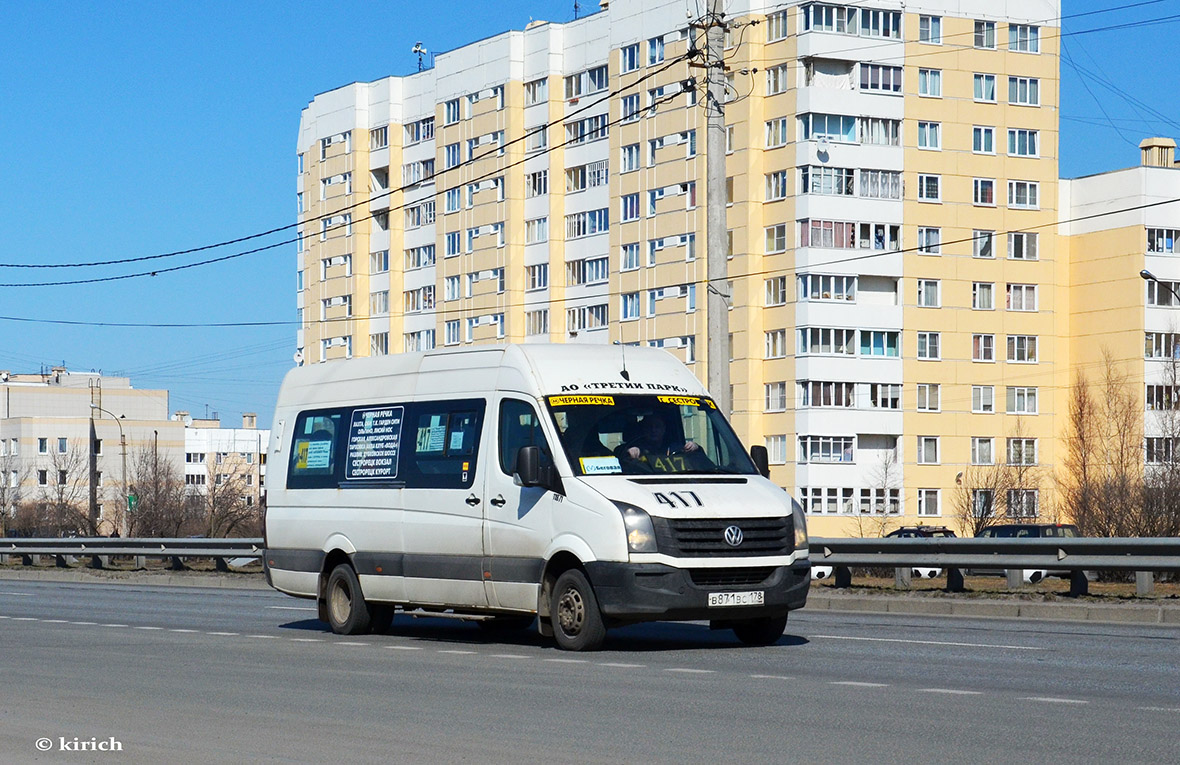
(892, 191)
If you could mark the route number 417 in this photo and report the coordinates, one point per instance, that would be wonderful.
(678, 499)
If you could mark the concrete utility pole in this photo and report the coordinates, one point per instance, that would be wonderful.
(717, 286)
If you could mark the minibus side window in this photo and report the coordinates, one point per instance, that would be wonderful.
(445, 444)
(314, 448)
(519, 426)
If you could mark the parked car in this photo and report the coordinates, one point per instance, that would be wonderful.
(1027, 531)
(922, 532)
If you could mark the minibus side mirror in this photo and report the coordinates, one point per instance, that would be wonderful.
(528, 466)
(761, 460)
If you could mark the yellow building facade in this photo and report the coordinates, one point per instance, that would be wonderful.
(902, 300)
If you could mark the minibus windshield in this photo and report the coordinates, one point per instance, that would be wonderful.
(644, 435)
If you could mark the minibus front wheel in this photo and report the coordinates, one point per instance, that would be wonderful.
(573, 611)
(348, 614)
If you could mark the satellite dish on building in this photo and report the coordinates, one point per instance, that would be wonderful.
(298, 357)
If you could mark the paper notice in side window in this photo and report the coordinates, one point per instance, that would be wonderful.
(319, 454)
(600, 465)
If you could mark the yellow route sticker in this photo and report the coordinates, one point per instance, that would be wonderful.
(581, 400)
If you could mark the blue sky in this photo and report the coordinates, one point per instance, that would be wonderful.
(136, 128)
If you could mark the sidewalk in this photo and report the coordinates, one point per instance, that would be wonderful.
(932, 603)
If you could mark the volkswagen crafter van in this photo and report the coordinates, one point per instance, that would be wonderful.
(587, 486)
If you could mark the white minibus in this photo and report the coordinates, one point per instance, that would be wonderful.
(584, 486)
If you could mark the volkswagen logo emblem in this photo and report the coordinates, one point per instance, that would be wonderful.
(733, 536)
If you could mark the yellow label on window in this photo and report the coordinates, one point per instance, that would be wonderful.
(581, 400)
(679, 400)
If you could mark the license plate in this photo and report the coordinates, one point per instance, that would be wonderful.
(722, 599)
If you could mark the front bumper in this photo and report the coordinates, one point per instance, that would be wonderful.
(636, 592)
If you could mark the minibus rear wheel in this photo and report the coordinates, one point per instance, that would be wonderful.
(573, 612)
(348, 614)
(764, 631)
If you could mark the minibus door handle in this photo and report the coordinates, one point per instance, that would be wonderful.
(472, 500)
(499, 500)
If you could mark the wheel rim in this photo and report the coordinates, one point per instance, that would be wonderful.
(571, 612)
(340, 602)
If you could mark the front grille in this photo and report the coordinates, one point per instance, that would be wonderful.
(705, 537)
(730, 577)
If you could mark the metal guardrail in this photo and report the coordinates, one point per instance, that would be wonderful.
(101, 549)
(1076, 555)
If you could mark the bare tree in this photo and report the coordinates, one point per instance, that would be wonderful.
(229, 502)
(1102, 488)
(161, 509)
(13, 474)
(1160, 516)
(980, 496)
(882, 513)
(62, 502)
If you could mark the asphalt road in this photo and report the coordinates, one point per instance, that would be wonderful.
(187, 674)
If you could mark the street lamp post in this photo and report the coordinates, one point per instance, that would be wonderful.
(123, 448)
(1150, 277)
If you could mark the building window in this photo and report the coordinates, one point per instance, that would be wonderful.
(536, 322)
(630, 204)
(929, 502)
(776, 450)
(1022, 297)
(929, 135)
(827, 394)
(983, 347)
(983, 139)
(983, 192)
(825, 341)
(1023, 195)
(1022, 503)
(983, 502)
(877, 342)
(536, 230)
(776, 185)
(1023, 143)
(929, 240)
(929, 188)
(776, 133)
(928, 293)
(1022, 400)
(825, 287)
(930, 29)
(928, 346)
(880, 79)
(776, 397)
(930, 82)
(981, 244)
(985, 34)
(1022, 451)
(928, 397)
(629, 58)
(776, 26)
(451, 332)
(826, 449)
(927, 450)
(776, 291)
(42, 446)
(655, 50)
(1024, 91)
(983, 399)
(983, 296)
(62, 446)
(776, 344)
(1163, 240)
(776, 238)
(985, 88)
(1022, 349)
(1023, 38)
(983, 451)
(776, 79)
(1022, 246)
(630, 306)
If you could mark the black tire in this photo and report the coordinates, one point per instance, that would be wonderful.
(573, 613)
(764, 631)
(380, 617)
(348, 613)
(498, 625)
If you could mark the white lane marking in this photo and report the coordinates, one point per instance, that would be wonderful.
(772, 677)
(291, 608)
(180, 630)
(568, 661)
(221, 633)
(1052, 700)
(621, 665)
(406, 647)
(950, 691)
(55, 621)
(463, 653)
(855, 684)
(18, 594)
(270, 637)
(307, 640)
(24, 619)
(1159, 709)
(112, 625)
(688, 671)
(5, 617)
(149, 628)
(508, 656)
(351, 642)
(928, 642)
(85, 624)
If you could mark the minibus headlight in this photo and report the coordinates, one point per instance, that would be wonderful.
(641, 535)
(800, 524)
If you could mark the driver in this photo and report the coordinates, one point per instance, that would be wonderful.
(652, 440)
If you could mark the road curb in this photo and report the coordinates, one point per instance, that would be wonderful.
(996, 607)
(168, 578)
